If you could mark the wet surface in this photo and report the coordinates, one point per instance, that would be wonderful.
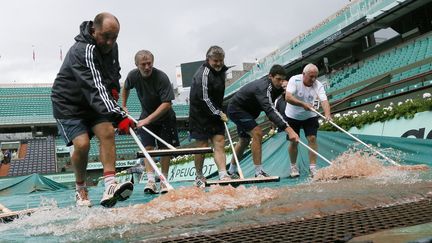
(188, 210)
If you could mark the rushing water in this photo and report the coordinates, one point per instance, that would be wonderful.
(189, 210)
(354, 164)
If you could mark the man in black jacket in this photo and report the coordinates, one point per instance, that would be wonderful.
(84, 103)
(155, 94)
(245, 107)
(206, 117)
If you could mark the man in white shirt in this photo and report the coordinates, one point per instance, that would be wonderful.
(303, 93)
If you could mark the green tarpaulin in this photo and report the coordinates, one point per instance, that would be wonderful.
(28, 184)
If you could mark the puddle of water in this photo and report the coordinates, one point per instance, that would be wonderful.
(189, 210)
(72, 221)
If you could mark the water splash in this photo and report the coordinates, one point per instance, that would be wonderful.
(351, 164)
(357, 162)
(183, 201)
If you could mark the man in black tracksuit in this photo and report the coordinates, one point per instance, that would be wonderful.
(245, 107)
(84, 103)
(206, 118)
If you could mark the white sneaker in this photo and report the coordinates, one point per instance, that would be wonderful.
(312, 171)
(225, 178)
(116, 192)
(294, 171)
(81, 198)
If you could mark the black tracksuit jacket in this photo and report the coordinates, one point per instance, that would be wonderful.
(206, 98)
(257, 96)
(82, 88)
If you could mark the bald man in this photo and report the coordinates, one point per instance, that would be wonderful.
(304, 92)
(84, 97)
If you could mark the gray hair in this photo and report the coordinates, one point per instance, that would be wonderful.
(309, 68)
(143, 53)
(215, 51)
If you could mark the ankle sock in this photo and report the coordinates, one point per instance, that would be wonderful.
(222, 174)
(232, 169)
(80, 185)
(151, 177)
(258, 168)
(109, 178)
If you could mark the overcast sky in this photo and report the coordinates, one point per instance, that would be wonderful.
(175, 31)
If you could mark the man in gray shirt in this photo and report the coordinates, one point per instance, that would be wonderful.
(155, 94)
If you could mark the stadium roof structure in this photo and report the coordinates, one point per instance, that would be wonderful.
(346, 36)
(340, 30)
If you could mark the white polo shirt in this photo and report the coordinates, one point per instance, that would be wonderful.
(312, 95)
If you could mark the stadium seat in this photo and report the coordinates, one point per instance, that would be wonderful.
(427, 83)
(376, 97)
(365, 100)
(415, 86)
(355, 103)
(401, 90)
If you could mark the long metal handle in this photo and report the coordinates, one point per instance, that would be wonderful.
(150, 160)
(358, 140)
(316, 153)
(234, 153)
(151, 133)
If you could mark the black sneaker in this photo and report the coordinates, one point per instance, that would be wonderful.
(163, 188)
(200, 181)
(150, 188)
(234, 175)
(261, 174)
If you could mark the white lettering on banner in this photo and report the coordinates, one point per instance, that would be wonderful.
(119, 164)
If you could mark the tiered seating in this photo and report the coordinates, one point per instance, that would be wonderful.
(134, 106)
(126, 146)
(33, 105)
(40, 158)
(412, 72)
(384, 63)
(406, 88)
(133, 103)
(21, 106)
(181, 110)
(25, 105)
(33, 91)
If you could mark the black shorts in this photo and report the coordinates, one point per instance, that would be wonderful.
(208, 131)
(244, 121)
(72, 128)
(167, 130)
(310, 126)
